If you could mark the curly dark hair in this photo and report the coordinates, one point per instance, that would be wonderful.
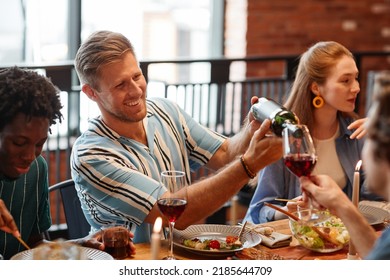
(26, 91)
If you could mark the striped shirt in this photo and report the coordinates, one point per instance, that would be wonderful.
(117, 178)
(27, 200)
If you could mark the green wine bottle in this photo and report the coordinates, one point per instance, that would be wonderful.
(280, 117)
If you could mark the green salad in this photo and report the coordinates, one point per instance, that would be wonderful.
(334, 234)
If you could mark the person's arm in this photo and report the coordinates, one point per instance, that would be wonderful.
(237, 144)
(7, 222)
(276, 181)
(326, 193)
(92, 241)
(270, 186)
(129, 193)
(361, 232)
(95, 241)
(208, 195)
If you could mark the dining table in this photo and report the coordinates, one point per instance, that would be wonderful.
(294, 251)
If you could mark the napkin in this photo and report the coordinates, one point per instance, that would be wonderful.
(269, 237)
(276, 240)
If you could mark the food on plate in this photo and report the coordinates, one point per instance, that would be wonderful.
(267, 231)
(58, 250)
(229, 243)
(326, 235)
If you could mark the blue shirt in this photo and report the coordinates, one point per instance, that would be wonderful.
(276, 181)
(27, 199)
(381, 250)
(117, 178)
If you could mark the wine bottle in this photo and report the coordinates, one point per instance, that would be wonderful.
(280, 117)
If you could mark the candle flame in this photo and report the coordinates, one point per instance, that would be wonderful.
(358, 165)
(157, 225)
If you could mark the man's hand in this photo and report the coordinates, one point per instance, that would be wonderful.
(96, 241)
(7, 222)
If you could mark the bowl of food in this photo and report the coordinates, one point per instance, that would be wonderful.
(319, 231)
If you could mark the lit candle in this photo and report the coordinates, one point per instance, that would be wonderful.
(156, 238)
(355, 200)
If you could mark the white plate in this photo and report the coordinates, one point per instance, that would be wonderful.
(91, 254)
(374, 215)
(218, 232)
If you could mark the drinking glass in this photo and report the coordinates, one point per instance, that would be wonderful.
(299, 154)
(116, 240)
(298, 151)
(172, 201)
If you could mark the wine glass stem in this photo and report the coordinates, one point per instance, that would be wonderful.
(310, 206)
(171, 227)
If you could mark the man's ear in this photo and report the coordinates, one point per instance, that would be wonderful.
(314, 87)
(89, 91)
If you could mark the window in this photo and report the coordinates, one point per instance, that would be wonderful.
(37, 32)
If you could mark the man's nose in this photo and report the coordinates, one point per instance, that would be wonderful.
(29, 154)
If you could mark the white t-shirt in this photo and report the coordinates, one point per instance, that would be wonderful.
(328, 161)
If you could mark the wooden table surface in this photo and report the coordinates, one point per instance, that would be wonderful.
(294, 251)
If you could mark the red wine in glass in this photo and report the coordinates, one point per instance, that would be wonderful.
(299, 153)
(172, 201)
(300, 165)
(172, 208)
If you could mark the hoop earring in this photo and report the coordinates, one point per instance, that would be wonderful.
(318, 101)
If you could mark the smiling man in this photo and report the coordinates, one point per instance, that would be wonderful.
(117, 161)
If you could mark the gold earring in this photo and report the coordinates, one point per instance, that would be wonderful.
(318, 101)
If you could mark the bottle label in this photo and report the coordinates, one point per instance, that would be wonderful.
(265, 109)
(279, 115)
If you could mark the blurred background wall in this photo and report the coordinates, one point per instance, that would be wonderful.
(263, 27)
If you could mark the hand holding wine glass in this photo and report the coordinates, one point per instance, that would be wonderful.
(172, 201)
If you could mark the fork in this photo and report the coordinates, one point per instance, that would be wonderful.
(242, 230)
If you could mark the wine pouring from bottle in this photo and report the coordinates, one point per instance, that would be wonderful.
(280, 117)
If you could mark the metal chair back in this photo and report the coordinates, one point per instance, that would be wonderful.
(77, 224)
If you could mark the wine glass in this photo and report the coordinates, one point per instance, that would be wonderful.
(299, 154)
(172, 201)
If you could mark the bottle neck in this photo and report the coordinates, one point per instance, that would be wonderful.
(297, 132)
(283, 119)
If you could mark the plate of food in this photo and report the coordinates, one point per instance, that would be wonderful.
(374, 215)
(214, 240)
(88, 253)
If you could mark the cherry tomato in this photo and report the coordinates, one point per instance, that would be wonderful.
(214, 244)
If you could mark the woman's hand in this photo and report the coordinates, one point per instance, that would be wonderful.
(360, 130)
(292, 206)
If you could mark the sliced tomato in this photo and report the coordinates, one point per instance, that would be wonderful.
(231, 239)
(214, 244)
